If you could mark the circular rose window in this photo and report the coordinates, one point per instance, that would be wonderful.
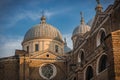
(47, 71)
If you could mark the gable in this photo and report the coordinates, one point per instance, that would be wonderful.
(99, 18)
(47, 56)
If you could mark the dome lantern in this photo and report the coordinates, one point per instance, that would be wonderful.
(98, 7)
(43, 19)
(82, 19)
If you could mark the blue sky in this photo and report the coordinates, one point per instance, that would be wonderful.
(17, 16)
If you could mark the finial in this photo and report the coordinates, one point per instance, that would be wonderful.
(43, 12)
(81, 14)
(65, 41)
(98, 7)
(98, 1)
(43, 18)
(82, 19)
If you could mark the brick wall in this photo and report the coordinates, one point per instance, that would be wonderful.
(116, 53)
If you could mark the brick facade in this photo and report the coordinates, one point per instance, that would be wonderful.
(100, 59)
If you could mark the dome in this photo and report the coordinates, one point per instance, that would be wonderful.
(82, 28)
(43, 31)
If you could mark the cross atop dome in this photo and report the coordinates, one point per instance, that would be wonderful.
(43, 18)
(82, 19)
(98, 1)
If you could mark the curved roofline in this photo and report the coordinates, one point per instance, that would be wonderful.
(34, 33)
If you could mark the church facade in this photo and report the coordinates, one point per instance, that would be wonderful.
(45, 56)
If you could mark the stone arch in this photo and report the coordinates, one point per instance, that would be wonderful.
(101, 63)
(81, 55)
(89, 73)
(100, 36)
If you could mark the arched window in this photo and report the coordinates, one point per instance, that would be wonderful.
(102, 63)
(101, 36)
(36, 47)
(74, 78)
(82, 56)
(27, 49)
(79, 60)
(89, 73)
(56, 48)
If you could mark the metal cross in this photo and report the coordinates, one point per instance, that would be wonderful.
(81, 14)
(98, 1)
(43, 13)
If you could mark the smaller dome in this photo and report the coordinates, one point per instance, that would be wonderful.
(82, 28)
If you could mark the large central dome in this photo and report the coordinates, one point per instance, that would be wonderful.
(43, 31)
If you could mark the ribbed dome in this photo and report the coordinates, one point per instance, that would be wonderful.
(82, 28)
(43, 31)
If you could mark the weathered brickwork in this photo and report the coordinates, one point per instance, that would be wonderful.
(108, 21)
(116, 53)
(9, 69)
(92, 57)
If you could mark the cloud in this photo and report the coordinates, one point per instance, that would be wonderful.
(12, 11)
(21, 14)
(9, 44)
(68, 39)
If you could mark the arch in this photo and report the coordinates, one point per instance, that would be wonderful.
(100, 36)
(79, 60)
(100, 63)
(56, 48)
(75, 78)
(89, 73)
(81, 56)
(27, 49)
(36, 47)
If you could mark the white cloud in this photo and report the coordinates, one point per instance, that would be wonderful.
(32, 15)
(68, 39)
(9, 44)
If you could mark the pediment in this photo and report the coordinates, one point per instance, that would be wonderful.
(47, 55)
(98, 20)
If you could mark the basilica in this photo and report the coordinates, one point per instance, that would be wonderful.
(46, 56)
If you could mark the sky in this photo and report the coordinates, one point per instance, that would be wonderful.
(18, 16)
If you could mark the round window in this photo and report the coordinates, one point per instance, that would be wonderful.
(47, 71)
